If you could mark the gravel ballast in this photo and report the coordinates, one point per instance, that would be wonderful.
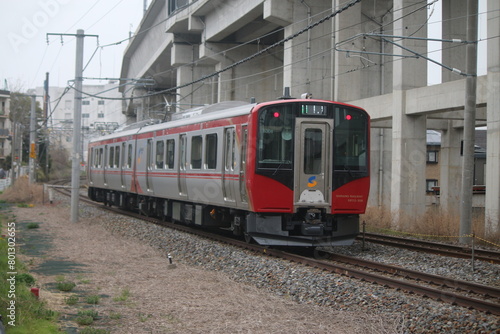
(365, 307)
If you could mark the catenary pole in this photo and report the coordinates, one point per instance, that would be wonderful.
(469, 123)
(77, 122)
(32, 155)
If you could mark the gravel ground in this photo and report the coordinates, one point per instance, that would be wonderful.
(217, 288)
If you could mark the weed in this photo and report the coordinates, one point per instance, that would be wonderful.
(72, 300)
(25, 278)
(94, 299)
(60, 278)
(22, 191)
(90, 313)
(115, 315)
(32, 226)
(123, 296)
(65, 286)
(84, 320)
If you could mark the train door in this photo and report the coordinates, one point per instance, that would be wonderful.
(228, 172)
(243, 162)
(149, 165)
(105, 162)
(181, 170)
(91, 164)
(313, 171)
(123, 166)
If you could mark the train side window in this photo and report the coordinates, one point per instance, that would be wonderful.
(93, 156)
(211, 151)
(117, 157)
(160, 154)
(111, 156)
(170, 154)
(196, 147)
(129, 156)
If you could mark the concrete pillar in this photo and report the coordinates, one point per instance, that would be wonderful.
(345, 66)
(451, 170)
(261, 76)
(307, 58)
(183, 57)
(454, 24)
(408, 132)
(380, 168)
(492, 203)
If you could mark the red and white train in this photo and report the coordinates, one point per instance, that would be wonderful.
(292, 172)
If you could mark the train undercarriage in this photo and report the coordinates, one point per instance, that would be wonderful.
(307, 227)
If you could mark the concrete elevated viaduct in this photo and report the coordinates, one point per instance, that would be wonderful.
(208, 51)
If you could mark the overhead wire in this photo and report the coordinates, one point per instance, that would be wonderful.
(244, 60)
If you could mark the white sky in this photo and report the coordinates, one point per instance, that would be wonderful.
(25, 56)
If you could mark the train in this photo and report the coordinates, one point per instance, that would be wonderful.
(289, 172)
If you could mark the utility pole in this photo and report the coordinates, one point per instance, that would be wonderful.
(46, 118)
(32, 156)
(469, 123)
(77, 127)
(77, 123)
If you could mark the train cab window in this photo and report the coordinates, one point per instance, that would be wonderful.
(196, 146)
(211, 151)
(160, 154)
(117, 157)
(351, 140)
(129, 156)
(170, 154)
(275, 137)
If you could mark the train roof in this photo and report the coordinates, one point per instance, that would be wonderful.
(195, 115)
(204, 114)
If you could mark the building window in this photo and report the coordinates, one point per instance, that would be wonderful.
(100, 102)
(85, 115)
(432, 156)
(430, 184)
(100, 115)
(67, 104)
(86, 103)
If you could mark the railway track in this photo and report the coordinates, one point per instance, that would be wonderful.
(433, 247)
(465, 294)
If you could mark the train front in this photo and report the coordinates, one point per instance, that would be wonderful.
(307, 172)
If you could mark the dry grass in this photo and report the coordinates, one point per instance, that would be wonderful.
(23, 192)
(434, 224)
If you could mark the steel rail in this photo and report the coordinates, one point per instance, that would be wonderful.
(432, 247)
